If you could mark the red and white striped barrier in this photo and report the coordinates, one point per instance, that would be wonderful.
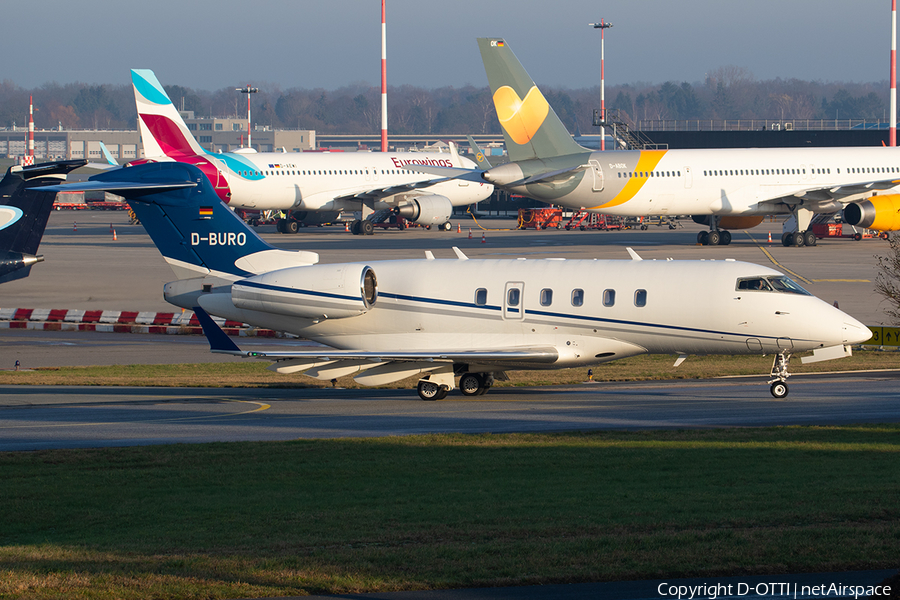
(120, 321)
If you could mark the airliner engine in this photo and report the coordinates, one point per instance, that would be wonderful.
(427, 210)
(881, 213)
(310, 292)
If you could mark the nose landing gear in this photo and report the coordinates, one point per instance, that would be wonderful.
(779, 387)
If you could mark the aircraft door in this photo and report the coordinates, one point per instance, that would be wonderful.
(688, 178)
(598, 175)
(514, 301)
(220, 182)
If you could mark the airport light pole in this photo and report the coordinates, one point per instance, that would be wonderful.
(384, 115)
(248, 90)
(602, 26)
(893, 130)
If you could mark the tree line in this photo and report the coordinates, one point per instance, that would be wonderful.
(726, 93)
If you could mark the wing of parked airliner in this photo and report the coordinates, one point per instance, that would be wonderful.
(834, 193)
(386, 192)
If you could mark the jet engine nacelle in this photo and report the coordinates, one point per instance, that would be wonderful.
(730, 222)
(881, 213)
(312, 292)
(427, 210)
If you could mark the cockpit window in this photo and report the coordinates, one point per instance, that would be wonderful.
(788, 285)
(778, 283)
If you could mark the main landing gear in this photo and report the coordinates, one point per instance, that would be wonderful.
(716, 237)
(798, 238)
(779, 375)
(470, 384)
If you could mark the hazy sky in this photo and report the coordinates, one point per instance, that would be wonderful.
(210, 44)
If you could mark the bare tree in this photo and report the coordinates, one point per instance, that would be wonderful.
(887, 281)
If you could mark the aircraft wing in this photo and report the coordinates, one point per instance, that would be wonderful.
(482, 176)
(834, 193)
(220, 343)
(378, 193)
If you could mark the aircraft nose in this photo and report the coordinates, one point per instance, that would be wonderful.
(854, 332)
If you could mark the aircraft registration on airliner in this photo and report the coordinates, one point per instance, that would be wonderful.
(473, 319)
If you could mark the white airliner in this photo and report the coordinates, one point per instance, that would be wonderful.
(724, 188)
(388, 320)
(313, 186)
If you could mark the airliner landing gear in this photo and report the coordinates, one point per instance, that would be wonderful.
(715, 236)
(362, 227)
(779, 375)
(799, 238)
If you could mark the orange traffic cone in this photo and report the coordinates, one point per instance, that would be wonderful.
(458, 228)
(115, 237)
(346, 226)
(483, 241)
(770, 237)
(74, 226)
(470, 233)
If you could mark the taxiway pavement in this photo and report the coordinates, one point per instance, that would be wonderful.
(39, 417)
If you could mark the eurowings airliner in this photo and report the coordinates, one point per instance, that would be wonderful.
(723, 188)
(307, 184)
(388, 320)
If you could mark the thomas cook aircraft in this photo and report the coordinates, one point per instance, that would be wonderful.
(312, 186)
(440, 319)
(24, 214)
(724, 188)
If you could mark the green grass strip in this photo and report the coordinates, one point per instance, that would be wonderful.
(341, 516)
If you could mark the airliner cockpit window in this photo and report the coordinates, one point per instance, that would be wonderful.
(778, 283)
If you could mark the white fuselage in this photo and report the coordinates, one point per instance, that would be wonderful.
(325, 181)
(683, 307)
(738, 182)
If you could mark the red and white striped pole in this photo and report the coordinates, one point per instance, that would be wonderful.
(602, 26)
(30, 128)
(384, 143)
(893, 136)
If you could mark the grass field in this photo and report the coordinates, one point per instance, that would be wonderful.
(253, 373)
(253, 519)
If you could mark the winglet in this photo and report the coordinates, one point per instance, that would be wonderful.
(480, 158)
(634, 255)
(218, 341)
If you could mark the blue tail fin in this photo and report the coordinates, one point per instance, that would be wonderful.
(24, 212)
(195, 232)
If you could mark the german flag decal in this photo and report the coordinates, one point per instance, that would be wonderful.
(206, 212)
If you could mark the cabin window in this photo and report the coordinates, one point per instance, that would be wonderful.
(609, 297)
(480, 297)
(640, 298)
(577, 297)
(512, 297)
(546, 297)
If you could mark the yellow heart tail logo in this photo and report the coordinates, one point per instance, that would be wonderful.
(520, 118)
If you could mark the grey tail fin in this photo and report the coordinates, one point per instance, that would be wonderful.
(530, 127)
(481, 158)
